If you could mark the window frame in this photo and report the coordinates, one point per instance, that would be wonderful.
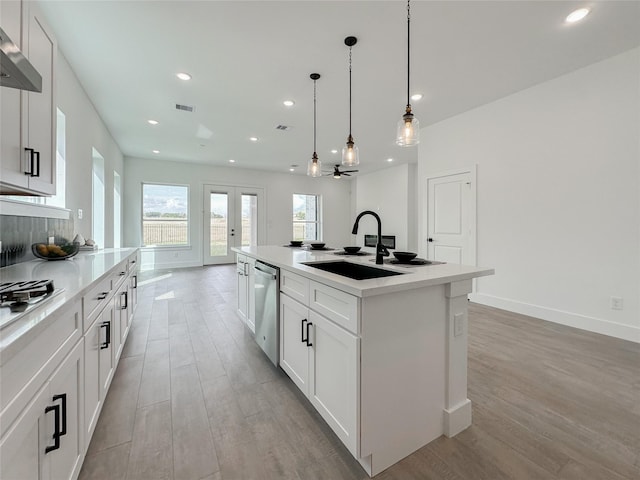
(174, 246)
(317, 222)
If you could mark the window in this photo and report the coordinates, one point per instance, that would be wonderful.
(165, 218)
(117, 209)
(98, 191)
(307, 218)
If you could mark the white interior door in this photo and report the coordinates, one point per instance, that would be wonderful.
(451, 222)
(233, 217)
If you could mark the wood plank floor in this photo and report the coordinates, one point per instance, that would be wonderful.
(195, 398)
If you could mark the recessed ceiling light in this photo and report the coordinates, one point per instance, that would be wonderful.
(389, 159)
(334, 151)
(577, 15)
(289, 103)
(253, 139)
(155, 151)
(152, 122)
(292, 169)
(416, 96)
(183, 76)
(231, 160)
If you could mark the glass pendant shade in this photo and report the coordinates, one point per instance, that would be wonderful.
(350, 154)
(314, 167)
(408, 131)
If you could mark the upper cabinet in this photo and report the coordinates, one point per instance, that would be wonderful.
(28, 119)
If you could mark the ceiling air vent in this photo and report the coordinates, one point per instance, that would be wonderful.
(186, 108)
(283, 127)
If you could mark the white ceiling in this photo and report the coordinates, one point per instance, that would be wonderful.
(246, 57)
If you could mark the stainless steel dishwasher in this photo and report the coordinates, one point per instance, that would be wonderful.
(266, 291)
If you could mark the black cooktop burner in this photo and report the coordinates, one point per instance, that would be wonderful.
(20, 292)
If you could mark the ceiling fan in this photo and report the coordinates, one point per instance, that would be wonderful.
(337, 173)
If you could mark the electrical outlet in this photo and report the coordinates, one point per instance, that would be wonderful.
(79, 214)
(458, 324)
(616, 303)
(52, 240)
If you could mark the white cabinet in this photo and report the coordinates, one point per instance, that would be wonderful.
(246, 285)
(99, 365)
(321, 357)
(45, 441)
(27, 138)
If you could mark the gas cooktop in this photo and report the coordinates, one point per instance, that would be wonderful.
(18, 298)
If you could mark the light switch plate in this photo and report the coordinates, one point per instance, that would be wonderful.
(79, 214)
(458, 324)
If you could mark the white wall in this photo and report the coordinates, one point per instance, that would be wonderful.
(85, 131)
(558, 194)
(279, 188)
(391, 194)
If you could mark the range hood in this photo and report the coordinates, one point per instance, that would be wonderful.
(15, 69)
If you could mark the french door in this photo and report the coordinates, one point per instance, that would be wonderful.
(233, 217)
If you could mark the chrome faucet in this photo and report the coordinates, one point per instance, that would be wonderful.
(381, 250)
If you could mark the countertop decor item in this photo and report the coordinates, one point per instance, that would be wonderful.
(350, 155)
(404, 256)
(352, 249)
(295, 243)
(55, 252)
(314, 168)
(408, 130)
(317, 245)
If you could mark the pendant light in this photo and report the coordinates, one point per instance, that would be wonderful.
(314, 168)
(350, 155)
(408, 131)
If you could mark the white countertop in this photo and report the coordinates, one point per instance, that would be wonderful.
(291, 258)
(74, 275)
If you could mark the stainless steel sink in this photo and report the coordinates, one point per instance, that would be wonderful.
(352, 270)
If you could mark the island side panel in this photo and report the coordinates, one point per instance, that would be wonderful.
(457, 406)
(403, 362)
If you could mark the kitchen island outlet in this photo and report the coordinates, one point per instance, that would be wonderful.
(383, 360)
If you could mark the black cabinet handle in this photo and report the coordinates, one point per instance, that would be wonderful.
(29, 170)
(35, 167)
(122, 274)
(63, 397)
(302, 339)
(309, 344)
(107, 341)
(126, 301)
(103, 295)
(135, 281)
(56, 432)
(430, 239)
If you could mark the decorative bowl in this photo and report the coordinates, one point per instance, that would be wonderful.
(352, 250)
(55, 252)
(317, 245)
(295, 243)
(405, 256)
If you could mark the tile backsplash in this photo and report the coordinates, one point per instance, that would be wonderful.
(17, 233)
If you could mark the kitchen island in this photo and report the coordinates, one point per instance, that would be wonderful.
(383, 360)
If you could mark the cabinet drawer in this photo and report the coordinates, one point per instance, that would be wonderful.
(94, 301)
(296, 286)
(338, 306)
(25, 373)
(119, 273)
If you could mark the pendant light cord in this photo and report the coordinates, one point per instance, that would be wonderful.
(408, 50)
(314, 117)
(350, 91)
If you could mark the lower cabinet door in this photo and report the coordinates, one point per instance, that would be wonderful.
(22, 447)
(294, 351)
(65, 391)
(91, 379)
(108, 340)
(333, 378)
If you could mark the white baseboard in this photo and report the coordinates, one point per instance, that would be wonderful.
(591, 324)
(457, 419)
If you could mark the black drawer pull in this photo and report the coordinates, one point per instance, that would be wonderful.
(103, 295)
(126, 301)
(122, 274)
(302, 339)
(107, 341)
(309, 344)
(35, 167)
(135, 281)
(63, 397)
(56, 432)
